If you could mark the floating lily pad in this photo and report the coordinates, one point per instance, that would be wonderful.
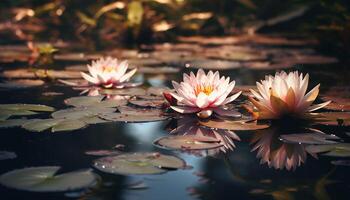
(158, 70)
(81, 112)
(241, 125)
(132, 118)
(341, 162)
(337, 150)
(21, 83)
(39, 125)
(76, 56)
(309, 138)
(138, 163)
(31, 107)
(188, 142)
(147, 103)
(157, 91)
(97, 101)
(126, 91)
(139, 111)
(41, 73)
(5, 155)
(332, 118)
(12, 123)
(103, 153)
(44, 179)
(68, 125)
(213, 64)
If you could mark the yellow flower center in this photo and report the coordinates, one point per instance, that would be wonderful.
(208, 89)
(108, 69)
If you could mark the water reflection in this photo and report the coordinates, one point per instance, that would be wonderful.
(275, 153)
(190, 126)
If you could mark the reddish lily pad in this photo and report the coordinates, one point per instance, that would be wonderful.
(241, 125)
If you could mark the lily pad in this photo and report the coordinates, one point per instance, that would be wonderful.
(157, 91)
(332, 118)
(31, 107)
(147, 103)
(158, 70)
(337, 150)
(68, 125)
(341, 162)
(138, 163)
(44, 179)
(132, 118)
(5, 155)
(188, 142)
(103, 153)
(213, 64)
(81, 112)
(125, 91)
(97, 101)
(309, 138)
(21, 83)
(241, 125)
(39, 125)
(12, 123)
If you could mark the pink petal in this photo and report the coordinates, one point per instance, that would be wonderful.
(127, 76)
(202, 100)
(185, 109)
(318, 106)
(89, 78)
(232, 98)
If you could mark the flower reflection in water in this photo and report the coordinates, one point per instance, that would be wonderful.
(190, 126)
(277, 154)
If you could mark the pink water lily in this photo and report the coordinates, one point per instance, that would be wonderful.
(108, 72)
(203, 93)
(285, 95)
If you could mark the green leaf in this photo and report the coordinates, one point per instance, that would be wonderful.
(138, 163)
(31, 107)
(39, 125)
(69, 125)
(43, 179)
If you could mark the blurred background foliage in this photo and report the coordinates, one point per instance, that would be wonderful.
(132, 22)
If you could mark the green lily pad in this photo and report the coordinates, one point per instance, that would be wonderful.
(13, 123)
(120, 117)
(126, 91)
(336, 150)
(5, 155)
(39, 125)
(241, 125)
(68, 125)
(31, 107)
(138, 163)
(309, 138)
(44, 179)
(147, 103)
(97, 101)
(81, 112)
(188, 142)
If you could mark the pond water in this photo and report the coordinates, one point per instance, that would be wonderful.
(259, 164)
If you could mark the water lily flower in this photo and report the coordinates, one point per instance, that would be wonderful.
(203, 94)
(285, 95)
(108, 73)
